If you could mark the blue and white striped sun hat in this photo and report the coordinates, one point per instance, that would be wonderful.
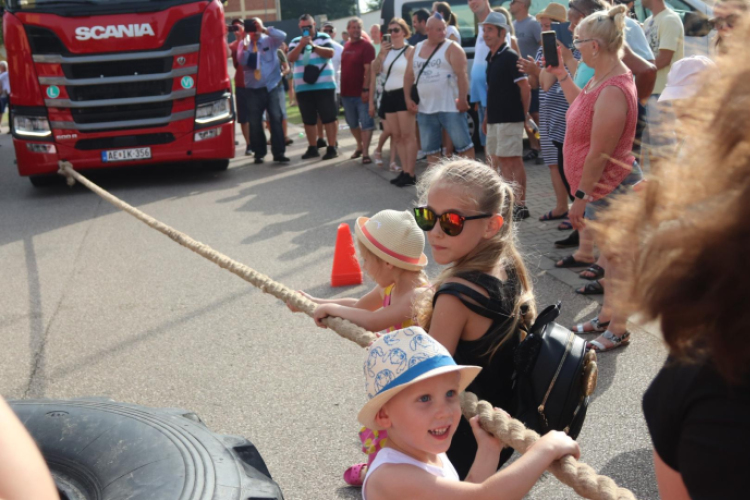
(402, 358)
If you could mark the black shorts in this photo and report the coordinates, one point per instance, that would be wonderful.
(534, 105)
(314, 103)
(393, 101)
(240, 103)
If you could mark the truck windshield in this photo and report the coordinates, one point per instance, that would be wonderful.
(79, 7)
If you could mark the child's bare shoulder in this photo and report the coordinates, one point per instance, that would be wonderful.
(396, 481)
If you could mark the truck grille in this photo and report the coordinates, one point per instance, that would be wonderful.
(119, 90)
(124, 141)
(105, 114)
(117, 68)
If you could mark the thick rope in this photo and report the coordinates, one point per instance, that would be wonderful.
(579, 476)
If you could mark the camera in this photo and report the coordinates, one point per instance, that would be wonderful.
(250, 26)
(306, 32)
(233, 28)
(387, 38)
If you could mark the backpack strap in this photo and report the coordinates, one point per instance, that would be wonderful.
(482, 305)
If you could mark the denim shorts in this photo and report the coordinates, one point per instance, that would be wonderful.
(357, 113)
(432, 124)
(633, 178)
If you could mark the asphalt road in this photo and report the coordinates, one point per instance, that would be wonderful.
(93, 302)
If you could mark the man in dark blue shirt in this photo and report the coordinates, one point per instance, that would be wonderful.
(419, 23)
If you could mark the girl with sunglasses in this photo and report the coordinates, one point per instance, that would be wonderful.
(479, 303)
(392, 246)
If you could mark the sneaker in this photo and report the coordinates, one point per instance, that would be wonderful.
(520, 212)
(421, 155)
(407, 180)
(312, 152)
(248, 151)
(331, 152)
(322, 143)
(398, 178)
(258, 161)
(281, 159)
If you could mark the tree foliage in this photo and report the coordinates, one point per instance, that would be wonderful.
(334, 9)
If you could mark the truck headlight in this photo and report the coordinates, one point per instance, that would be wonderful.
(220, 109)
(33, 126)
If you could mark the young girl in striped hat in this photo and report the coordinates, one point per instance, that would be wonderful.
(392, 249)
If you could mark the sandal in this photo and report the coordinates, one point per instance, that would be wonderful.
(597, 326)
(357, 154)
(565, 226)
(353, 475)
(366, 160)
(531, 155)
(596, 272)
(614, 340)
(550, 216)
(593, 288)
(571, 261)
(378, 157)
(395, 167)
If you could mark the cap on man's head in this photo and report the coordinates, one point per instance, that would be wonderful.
(329, 25)
(497, 19)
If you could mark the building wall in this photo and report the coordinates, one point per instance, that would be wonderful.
(267, 10)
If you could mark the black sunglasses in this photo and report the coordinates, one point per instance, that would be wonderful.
(394, 30)
(450, 222)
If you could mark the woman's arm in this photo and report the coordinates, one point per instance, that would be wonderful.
(643, 71)
(23, 473)
(570, 89)
(671, 485)
(610, 113)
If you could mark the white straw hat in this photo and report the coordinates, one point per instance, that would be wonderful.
(684, 78)
(394, 237)
(402, 358)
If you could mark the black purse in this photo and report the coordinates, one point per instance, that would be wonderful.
(555, 376)
(414, 91)
(312, 73)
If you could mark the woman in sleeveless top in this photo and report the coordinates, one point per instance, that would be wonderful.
(599, 163)
(392, 63)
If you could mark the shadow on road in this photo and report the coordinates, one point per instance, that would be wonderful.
(635, 470)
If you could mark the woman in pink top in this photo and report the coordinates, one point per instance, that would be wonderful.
(601, 121)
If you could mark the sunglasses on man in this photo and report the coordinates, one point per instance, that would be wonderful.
(451, 223)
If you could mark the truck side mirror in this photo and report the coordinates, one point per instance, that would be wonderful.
(696, 24)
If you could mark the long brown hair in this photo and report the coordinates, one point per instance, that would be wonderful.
(492, 195)
(684, 240)
(445, 10)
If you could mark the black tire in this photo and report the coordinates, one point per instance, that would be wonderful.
(46, 180)
(473, 119)
(217, 165)
(98, 449)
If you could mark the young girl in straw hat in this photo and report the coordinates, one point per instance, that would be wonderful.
(477, 306)
(392, 247)
(413, 386)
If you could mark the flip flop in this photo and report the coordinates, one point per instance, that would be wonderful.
(549, 216)
(366, 160)
(596, 270)
(353, 475)
(593, 288)
(571, 261)
(565, 226)
(357, 154)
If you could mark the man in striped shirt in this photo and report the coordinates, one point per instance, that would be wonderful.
(315, 96)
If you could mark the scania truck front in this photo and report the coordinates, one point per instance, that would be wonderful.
(105, 83)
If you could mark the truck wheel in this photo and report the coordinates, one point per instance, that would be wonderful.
(98, 449)
(217, 165)
(46, 180)
(473, 119)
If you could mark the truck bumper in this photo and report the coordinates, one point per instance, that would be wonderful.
(184, 148)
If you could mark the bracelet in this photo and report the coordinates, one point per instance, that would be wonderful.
(565, 77)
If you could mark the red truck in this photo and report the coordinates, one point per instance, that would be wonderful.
(105, 83)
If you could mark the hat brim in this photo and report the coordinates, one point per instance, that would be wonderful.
(370, 410)
(551, 16)
(418, 266)
(675, 93)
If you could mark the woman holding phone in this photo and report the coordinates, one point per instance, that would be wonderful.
(392, 63)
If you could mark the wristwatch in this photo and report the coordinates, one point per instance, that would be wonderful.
(583, 196)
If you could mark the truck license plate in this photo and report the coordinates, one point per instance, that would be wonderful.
(126, 154)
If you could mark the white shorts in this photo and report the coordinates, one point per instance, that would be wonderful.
(505, 139)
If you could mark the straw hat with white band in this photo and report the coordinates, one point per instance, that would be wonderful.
(400, 359)
(554, 11)
(394, 237)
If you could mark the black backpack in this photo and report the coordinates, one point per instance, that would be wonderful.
(554, 378)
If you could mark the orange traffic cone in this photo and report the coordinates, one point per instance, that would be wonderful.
(346, 269)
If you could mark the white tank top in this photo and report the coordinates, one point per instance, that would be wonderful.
(438, 87)
(452, 30)
(396, 80)
(391, 456)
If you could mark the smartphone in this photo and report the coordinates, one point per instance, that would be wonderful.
(233, 28)
(549, 46)
(306, 32)
(387, 38)
(250, 26)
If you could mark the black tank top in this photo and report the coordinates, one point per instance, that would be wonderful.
(494, 382)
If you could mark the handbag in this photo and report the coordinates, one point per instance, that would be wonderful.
(312, 73)
(554, 377)
(414, 91)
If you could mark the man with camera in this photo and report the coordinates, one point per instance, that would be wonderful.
(240, 93)
(258, 57)
(315, 85)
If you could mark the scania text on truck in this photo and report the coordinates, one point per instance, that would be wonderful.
(105, 83)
